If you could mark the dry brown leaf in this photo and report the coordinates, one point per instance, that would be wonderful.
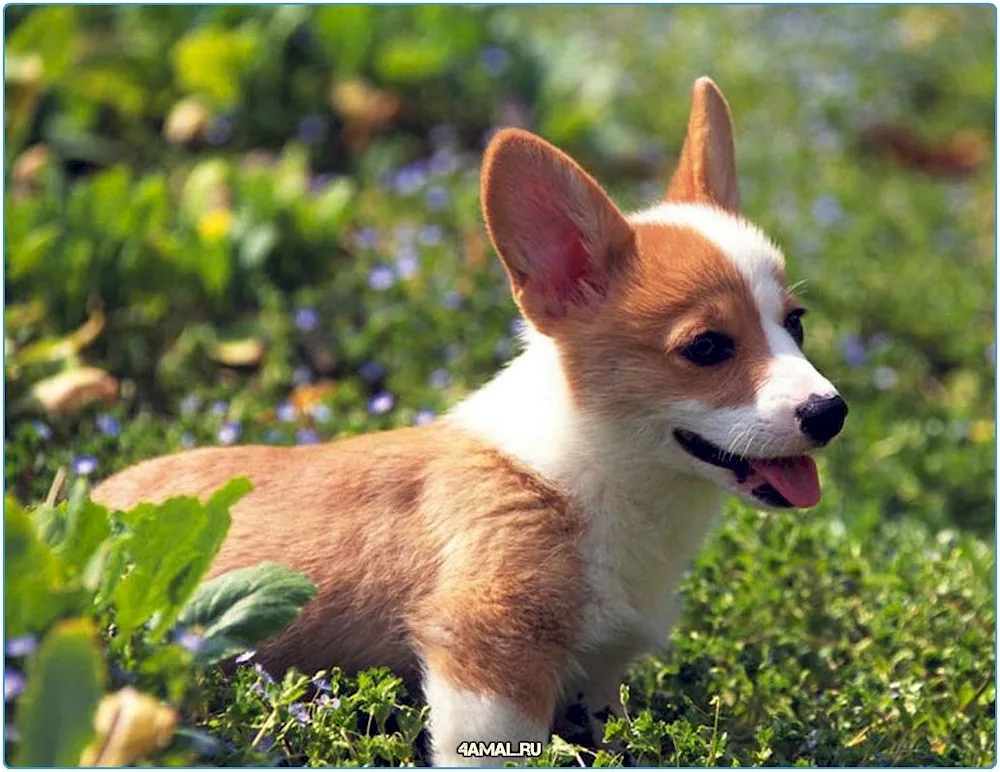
(308, 395)
(68, 391)
(130, 725)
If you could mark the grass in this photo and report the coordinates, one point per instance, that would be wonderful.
(263, 224)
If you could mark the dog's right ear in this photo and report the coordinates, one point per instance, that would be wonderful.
(706, 170)
(559, 235)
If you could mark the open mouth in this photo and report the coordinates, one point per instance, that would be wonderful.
(779, 482)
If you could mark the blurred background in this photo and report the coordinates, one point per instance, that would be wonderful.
(261, 224)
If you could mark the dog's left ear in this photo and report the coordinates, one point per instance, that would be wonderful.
(706, 170)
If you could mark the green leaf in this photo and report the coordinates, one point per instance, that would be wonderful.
(65, 683)
(36, 591)
(242, 607)
(171, 546)
(87, 527)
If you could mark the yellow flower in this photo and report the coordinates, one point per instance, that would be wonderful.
(214, 225)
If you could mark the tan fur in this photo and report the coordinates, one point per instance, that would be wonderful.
(422, 541)
(706, 170)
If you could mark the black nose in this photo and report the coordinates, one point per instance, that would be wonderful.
(821, 418)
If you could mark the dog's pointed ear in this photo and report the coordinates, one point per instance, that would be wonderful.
(560, 236)
(706, 170)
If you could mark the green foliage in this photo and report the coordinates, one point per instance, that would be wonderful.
(218, 205)
(65, 682)
(235, 610)
(74, 568)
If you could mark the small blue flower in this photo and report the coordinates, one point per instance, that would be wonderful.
(443, 162)
(265, 743)
(371, 372)
(306, 437)
(319, 183)
(85, 465)
(321, 413)
(13, 684)
(11, 734)
(220, 408)
(408, 265)
(495, 60)
(219, 131)
(885, 378)
(322, 684)
(381, 278)
(287, 412)
(246, 656)
(108, 425)
(431, 235)
(854, 350)
(274, 437)
(381, 403)
(229, 433)
(827, 210)
(42, 430)
(264, 675)
(301, 375)
(452, 300)
(437, 198)
(306, 319)
(423, 417)
(312, 129)
(189, 640)
(190, 404)
(367, 238)
(411, 178)
(299, 712)
(440, 378)
(21, 646)
(187, 440)
(326, 701)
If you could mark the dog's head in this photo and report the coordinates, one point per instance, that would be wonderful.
(678, 321)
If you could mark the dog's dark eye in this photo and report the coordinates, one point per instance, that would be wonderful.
(793, 323)
(709, 348)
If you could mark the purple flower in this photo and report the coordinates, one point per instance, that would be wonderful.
(381, 278)
(411, 178)
(322, 684)
(187, 440)
(265, 743)
(827, 210)
(371, 372)
(408, 263)
(440, 378)
(306, 437)
(326, 701)
(246, 656)
(11, 734)
(312, 129)
(286, 412)
(42, 430)
(22, 646)
(13, 684)
(299, 712)
(108, 425)
(423, 417)
(381, 403)
(443, 162)
(189, 640)
(306, 319)
(854, 350)
(367, 238)
(431, 235)
(321, 413)
(264, 675)
(301, 375)
(219, 408)
(495, 60)
(219, 131)
(85, 465)
(437, 198)
(319, 183)
(452, 300)
(229, 433)
(190, 404)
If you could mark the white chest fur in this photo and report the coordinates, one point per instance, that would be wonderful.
(645, 521)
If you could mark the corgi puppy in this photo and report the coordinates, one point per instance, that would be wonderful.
(520, 552)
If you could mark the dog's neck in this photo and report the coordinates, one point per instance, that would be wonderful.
(529, 412)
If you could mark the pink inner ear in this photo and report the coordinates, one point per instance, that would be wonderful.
(559, 265)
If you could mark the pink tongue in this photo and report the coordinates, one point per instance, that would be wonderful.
(794, 478)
